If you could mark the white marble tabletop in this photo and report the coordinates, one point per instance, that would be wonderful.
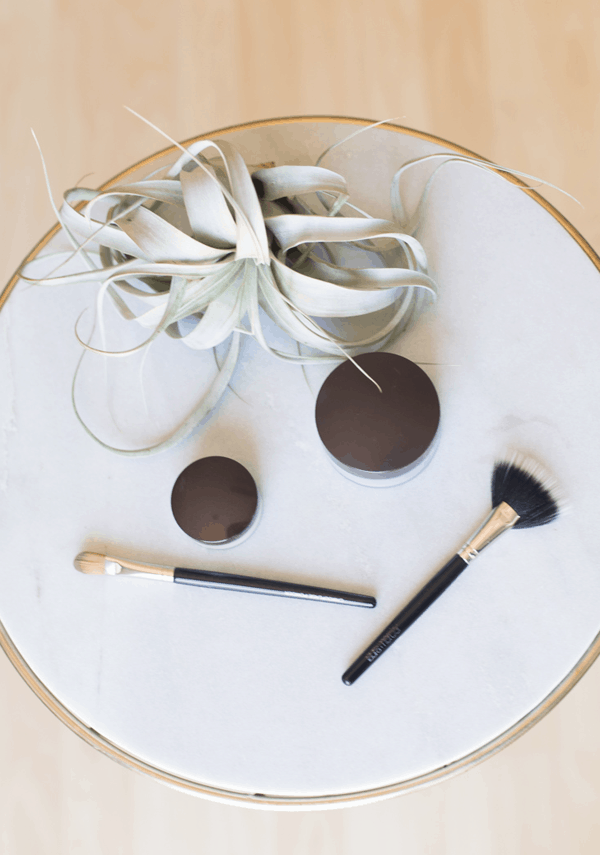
(243, 694)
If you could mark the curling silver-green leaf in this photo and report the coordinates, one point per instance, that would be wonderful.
(221, 248)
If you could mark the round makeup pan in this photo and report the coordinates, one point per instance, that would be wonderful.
(379, 426)
(215, 500)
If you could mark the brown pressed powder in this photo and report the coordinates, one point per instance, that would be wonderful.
(215, 500)
(374, 436)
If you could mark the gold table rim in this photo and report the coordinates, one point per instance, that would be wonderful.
(262, 800)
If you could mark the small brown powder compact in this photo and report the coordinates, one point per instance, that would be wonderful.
(215, 500)
(378, 438)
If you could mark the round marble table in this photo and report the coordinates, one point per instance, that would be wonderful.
(239, 698)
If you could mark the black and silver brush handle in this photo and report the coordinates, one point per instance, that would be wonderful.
(500, 519)
(255, 585)
(231, 582)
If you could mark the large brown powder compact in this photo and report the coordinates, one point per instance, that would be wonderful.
(378, 438)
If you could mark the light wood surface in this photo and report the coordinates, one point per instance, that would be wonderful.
(516, 82)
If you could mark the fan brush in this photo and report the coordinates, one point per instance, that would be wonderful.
(521, 498)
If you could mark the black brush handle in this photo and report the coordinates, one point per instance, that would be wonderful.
(254, 585)
(405, 618)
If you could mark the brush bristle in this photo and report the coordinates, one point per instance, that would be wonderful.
(522, 486)
(89, 562)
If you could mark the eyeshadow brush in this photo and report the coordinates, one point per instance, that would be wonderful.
(520, 499)
(97, 564)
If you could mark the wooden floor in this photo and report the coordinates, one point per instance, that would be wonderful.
(517, 81)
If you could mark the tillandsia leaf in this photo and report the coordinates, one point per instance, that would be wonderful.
(209, 216)
(216, 247)
(281, 182)
(206, 404)
(412, 223)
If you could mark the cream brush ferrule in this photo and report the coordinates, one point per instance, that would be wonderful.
(501, 519)
(124, 567)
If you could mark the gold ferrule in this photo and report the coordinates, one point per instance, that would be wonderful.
(124, 567)
(500, 520)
